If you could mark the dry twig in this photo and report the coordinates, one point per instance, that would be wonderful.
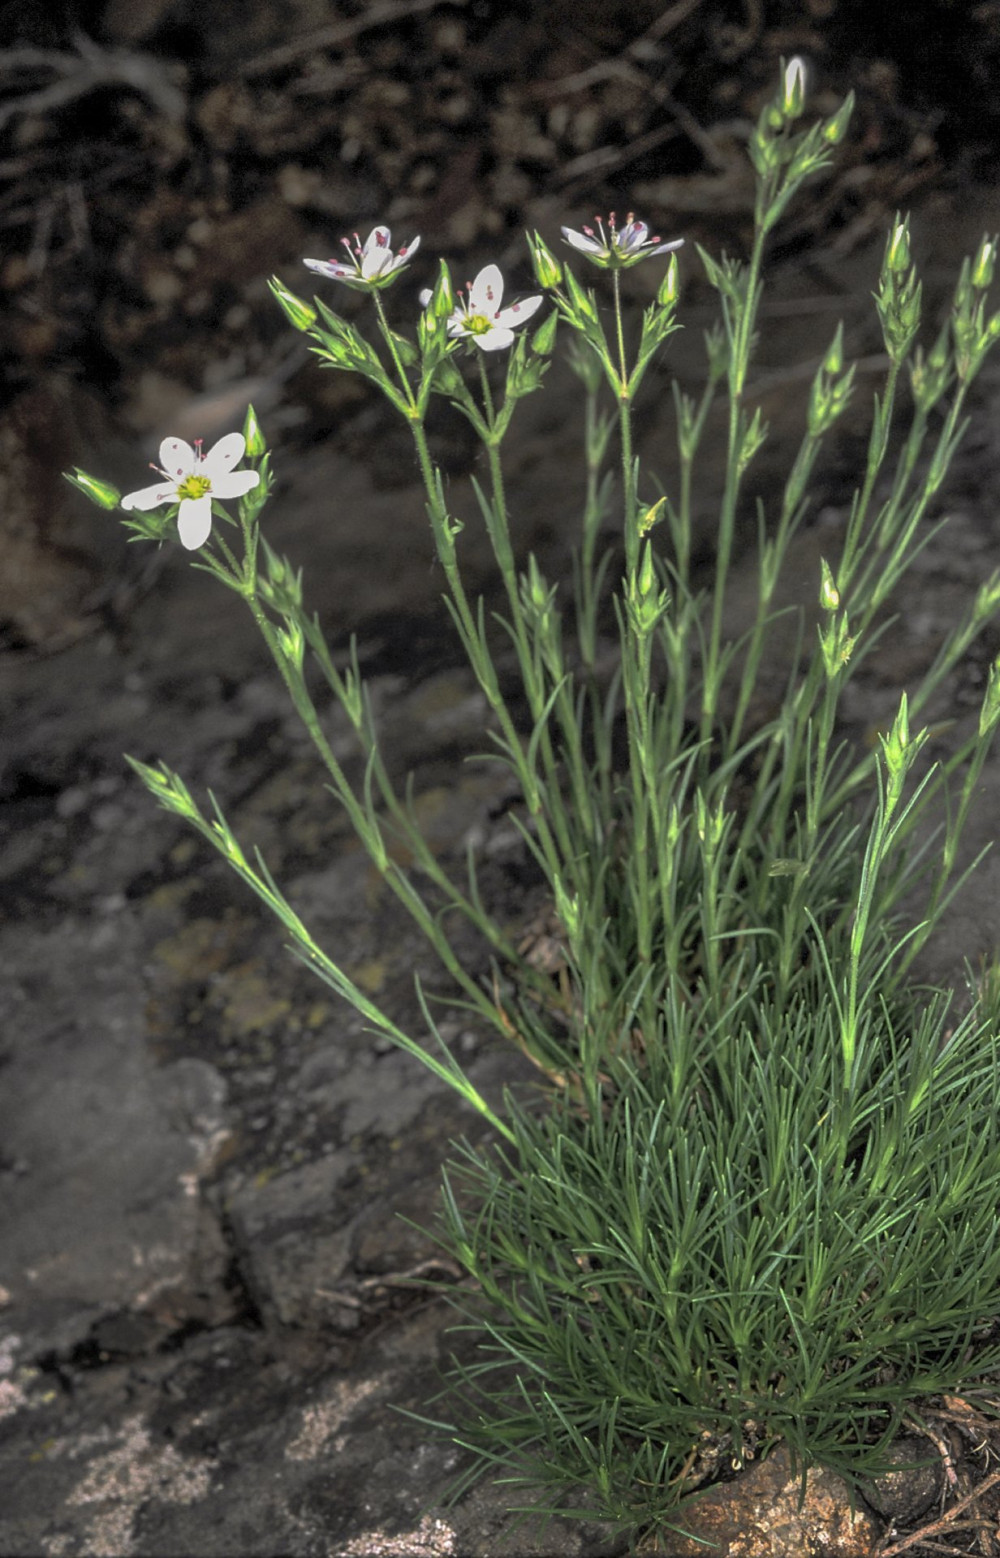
(945, 1523)
(331, 36)
(85, 71)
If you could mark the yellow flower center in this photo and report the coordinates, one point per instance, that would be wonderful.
(193, 487)
(478, 324)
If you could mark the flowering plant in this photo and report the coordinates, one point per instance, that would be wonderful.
(192, 480)
(616, 249)
(480, 318)
(370, 264)
(759, 1202)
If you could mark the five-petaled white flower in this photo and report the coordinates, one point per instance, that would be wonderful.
(479, 316)
(617, 248)
(193, 479)
(370, 264)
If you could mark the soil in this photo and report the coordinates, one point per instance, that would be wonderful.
(213, 1287)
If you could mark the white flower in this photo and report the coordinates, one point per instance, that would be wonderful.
(617, 248)
(480, 318)
(193, 479)
(369, 264)
(795, 86)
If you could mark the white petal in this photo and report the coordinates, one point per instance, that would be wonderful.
(408, 251)
(194, 522)
(582, 242)
(496, 341)
(234, 484)
(518, 313)
(376, 254)
(632, 236)
(150, 497)
(177, 458)
(334, 268)
(665, 248)
(223, 456)
(378, 238)
(424, 296)
(486, 291)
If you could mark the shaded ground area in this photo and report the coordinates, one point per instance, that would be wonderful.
(209, 1301)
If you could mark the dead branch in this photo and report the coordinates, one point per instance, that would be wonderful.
(89, 69)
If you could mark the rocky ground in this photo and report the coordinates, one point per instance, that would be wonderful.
(213, 1297)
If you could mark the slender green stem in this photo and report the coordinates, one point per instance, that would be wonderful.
(390, 341)
(740, 346)
(623, 390)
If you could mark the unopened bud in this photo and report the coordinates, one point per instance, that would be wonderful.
(442, 299)
(548, 271)
(253, 435)
(835, 128)
(100, 492)
(295, 310)
(989, 714)
(898, 253)
(544, 337)
(669, 287)
(829, 595)
(988, 597)
(795, 87)
(833, 362)
(984, 264)
(896, 744)
(647, 574)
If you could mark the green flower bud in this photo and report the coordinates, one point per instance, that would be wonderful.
(896, 744)
(989, 714)
(988, 597)
(669, 288)
(753, 438)
(538, 592)
(544, 338)
(984, 264)
(897, 256)
(255, 441)
(833, 362)
(835, 128)
(647, 574)
(568, 909)
(836, 644)
(100, 492)
(794, 87)
(442, 304)
(829, 595)
(296, 311)
(548, 271)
